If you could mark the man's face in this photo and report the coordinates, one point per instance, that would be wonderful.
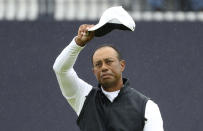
(107, 67)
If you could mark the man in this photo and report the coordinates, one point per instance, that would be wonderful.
(113, 106)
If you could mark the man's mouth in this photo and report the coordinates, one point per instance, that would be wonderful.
(106, 75)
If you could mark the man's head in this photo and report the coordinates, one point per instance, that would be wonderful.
(108, 66)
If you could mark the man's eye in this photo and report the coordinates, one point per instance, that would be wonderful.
(97, 64)
(109, 62)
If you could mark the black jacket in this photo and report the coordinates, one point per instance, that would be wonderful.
(125, 113)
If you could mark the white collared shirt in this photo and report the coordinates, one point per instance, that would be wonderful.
(110, 95)
(75, 89)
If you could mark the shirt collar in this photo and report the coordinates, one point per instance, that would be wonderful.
(112, 95)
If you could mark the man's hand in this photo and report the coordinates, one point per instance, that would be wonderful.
(83, 35)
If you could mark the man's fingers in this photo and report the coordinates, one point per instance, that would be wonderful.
(84, 35)
(82, 29)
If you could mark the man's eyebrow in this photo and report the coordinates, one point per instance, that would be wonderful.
(98, 61)
(105, 59)
(109, 58)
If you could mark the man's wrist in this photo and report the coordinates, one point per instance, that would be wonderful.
(79, 42)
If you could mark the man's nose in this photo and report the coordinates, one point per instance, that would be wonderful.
(104, 67)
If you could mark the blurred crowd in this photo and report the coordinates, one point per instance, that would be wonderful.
(184, 5)
(132, 5)
(163, 5)
(80, 9)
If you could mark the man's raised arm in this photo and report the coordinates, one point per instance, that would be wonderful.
(73, 88)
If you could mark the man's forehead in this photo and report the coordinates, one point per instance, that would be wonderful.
(107, 52)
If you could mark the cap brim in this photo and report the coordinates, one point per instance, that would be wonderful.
(106, 28)
(97, 26)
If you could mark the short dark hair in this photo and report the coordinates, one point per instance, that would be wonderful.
(119, 56)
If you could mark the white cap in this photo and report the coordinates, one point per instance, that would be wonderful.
(113, 18)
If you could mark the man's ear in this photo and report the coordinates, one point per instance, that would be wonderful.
(122, 63)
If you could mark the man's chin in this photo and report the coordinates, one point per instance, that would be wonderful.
(107, 82)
